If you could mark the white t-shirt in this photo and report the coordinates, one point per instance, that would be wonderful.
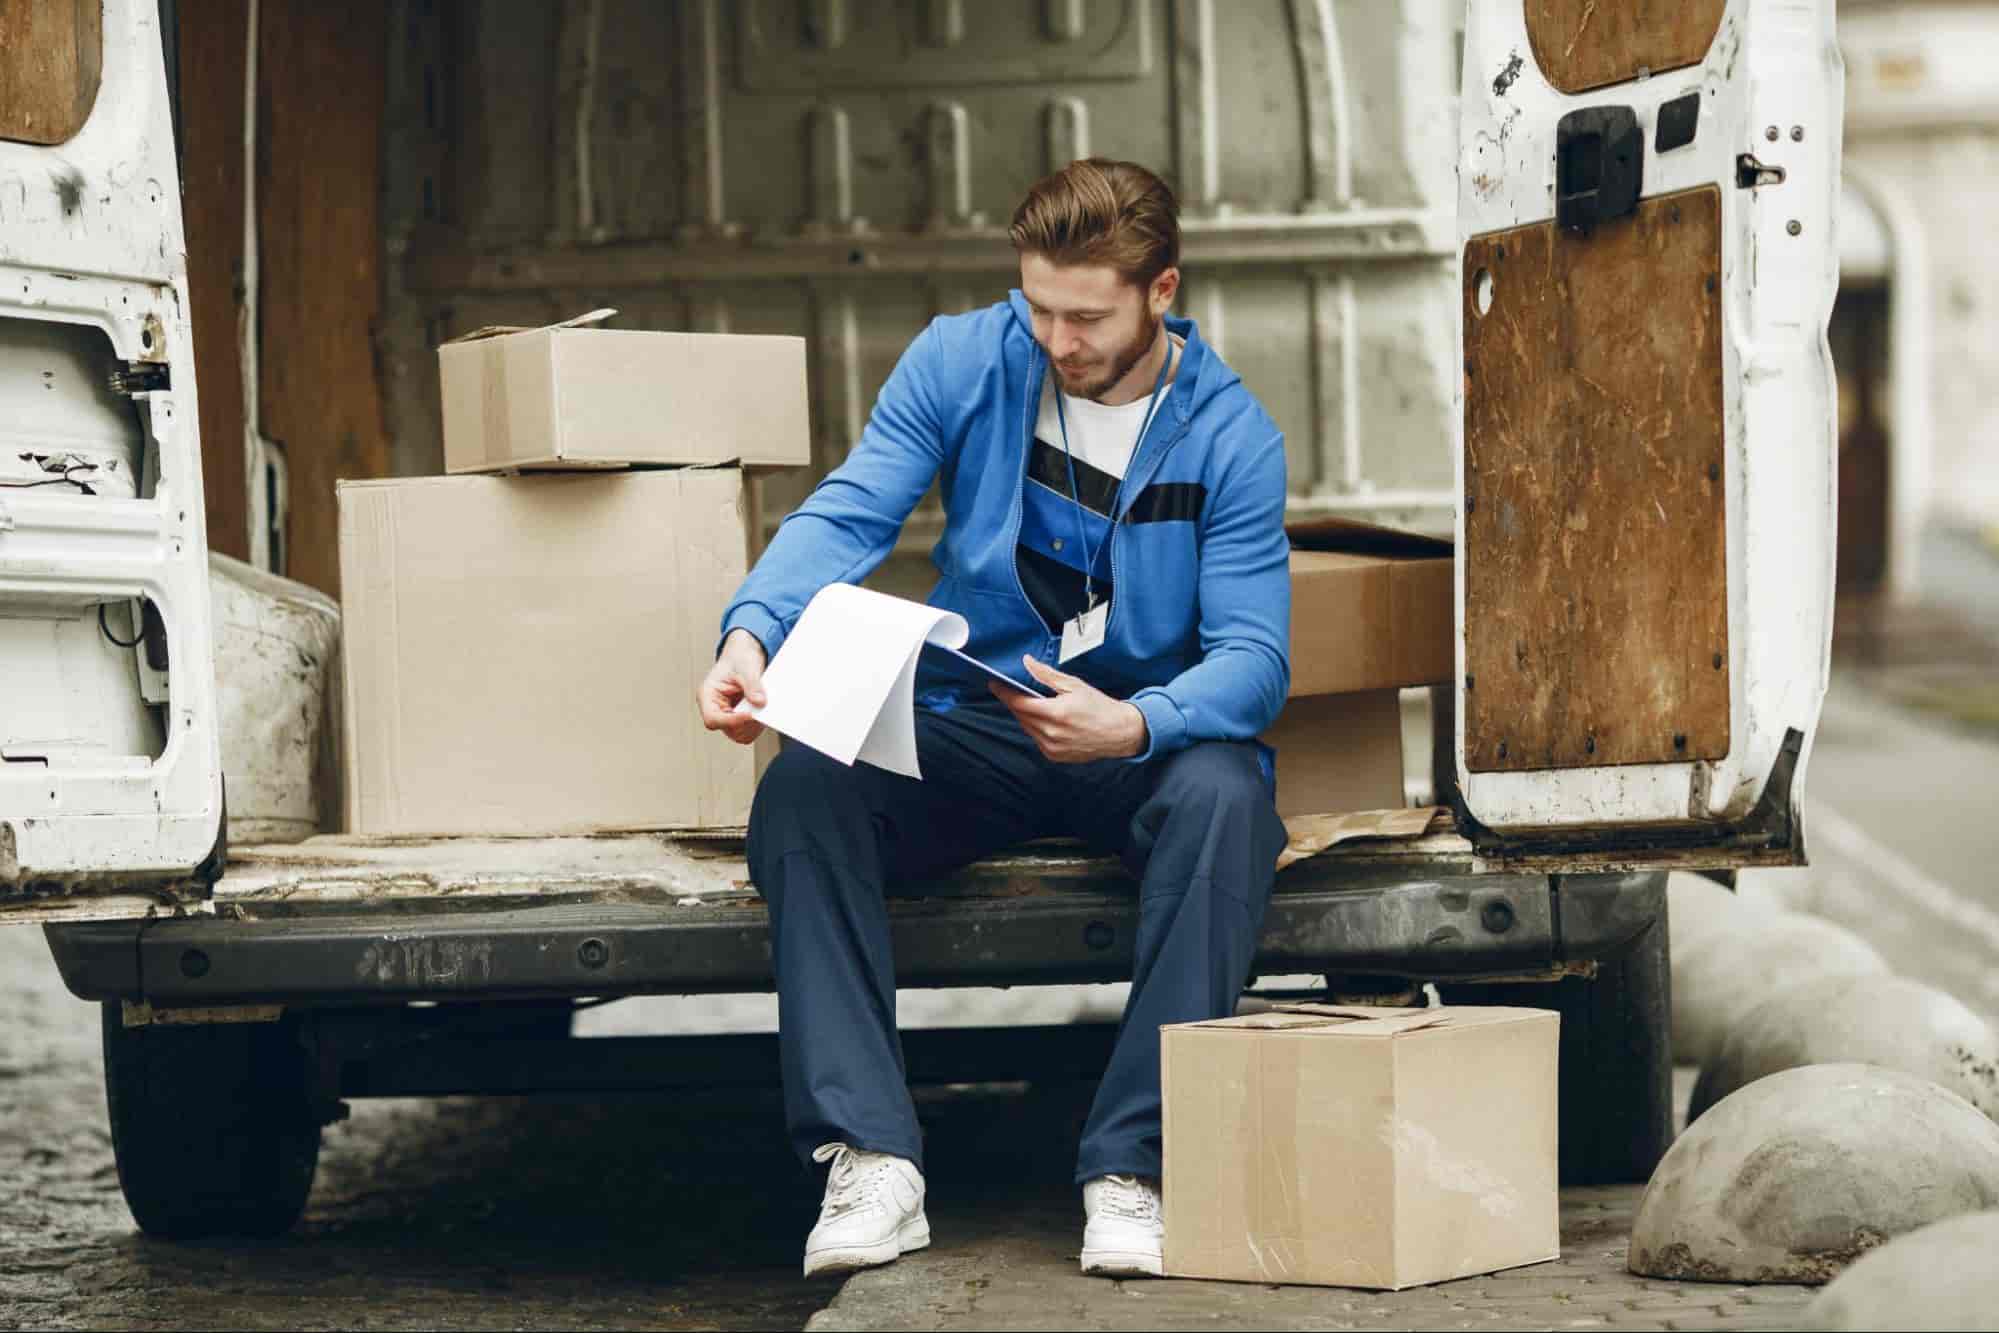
(1103, 437)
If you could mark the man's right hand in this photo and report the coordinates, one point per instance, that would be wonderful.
(738, 674)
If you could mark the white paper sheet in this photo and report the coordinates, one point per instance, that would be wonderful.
(844, 680)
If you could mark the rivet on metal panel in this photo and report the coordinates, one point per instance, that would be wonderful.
(593, 953)
(1496, 916)
(1098, 935)
(1797, 134)
(194, 964)
(1771, 134)
(1794, 226)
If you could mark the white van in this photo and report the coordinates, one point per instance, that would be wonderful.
(1644, 438)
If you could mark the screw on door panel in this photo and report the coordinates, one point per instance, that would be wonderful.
(593, 953)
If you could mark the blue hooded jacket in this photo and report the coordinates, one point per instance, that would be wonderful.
(1199, 629)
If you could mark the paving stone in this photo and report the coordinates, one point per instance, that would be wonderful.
(1796, 1175)
(1889, 1021)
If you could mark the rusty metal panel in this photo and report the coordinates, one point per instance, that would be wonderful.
(51, 62)
(1584, 44)
(831, 169)
(1596, 585)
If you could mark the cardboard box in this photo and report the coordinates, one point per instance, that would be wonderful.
(521, 653)
(1371, 608)
(1360, 1147)
(1338, 753)
(568, 397)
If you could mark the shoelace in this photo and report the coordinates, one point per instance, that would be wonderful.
(854, 1183)
(1128, 1197)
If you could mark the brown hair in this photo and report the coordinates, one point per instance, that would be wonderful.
(1096, 211)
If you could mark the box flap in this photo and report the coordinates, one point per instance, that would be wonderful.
(1308, 835)
(1333, 533)
(502, 330)
(1343, 1020)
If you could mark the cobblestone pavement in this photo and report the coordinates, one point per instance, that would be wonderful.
(1005, 1257)
(560, 1213)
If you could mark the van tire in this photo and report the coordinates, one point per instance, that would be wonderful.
(210, 1126)
(1616, 1065)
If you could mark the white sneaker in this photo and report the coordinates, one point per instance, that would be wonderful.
(1124, 1229)
(872, 1214)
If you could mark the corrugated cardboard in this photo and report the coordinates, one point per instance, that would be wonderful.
(1379, 1148)
(521, 653)
(1338, 753)
(1371, 608)
(568, 397)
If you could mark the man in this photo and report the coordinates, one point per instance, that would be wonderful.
(1114, 508)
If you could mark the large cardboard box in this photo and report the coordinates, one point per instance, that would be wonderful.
(1371, 608)
(521, 653)
(1360, 1147)
(568, 397)
(1338, 753)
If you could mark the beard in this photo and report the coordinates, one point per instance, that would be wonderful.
(1083, 384)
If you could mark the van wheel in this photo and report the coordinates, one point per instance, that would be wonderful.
(210, 1125)
(1616, 1093)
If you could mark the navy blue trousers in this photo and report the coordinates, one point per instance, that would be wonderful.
(827, 842)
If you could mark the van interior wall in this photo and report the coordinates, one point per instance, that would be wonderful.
(716, 165)
(320, 88)
(212, 50)
(319, 108)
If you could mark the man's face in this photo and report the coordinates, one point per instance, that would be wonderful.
(1093, 323)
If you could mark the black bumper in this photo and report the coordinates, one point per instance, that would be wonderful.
(1390, 925)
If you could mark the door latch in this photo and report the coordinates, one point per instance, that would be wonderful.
(136, 377)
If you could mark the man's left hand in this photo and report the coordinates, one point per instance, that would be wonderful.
(1080, 724)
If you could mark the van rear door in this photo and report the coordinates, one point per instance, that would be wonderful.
(110, 787)
(1646, 462)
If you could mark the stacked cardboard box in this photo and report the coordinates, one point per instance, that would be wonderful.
(522, 650)
(1371, 614)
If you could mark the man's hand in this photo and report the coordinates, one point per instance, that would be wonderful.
(1081, 723)
(738, 674)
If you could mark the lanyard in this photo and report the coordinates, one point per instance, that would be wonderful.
(1075, 496)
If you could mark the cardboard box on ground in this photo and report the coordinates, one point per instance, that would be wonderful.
(522, 651)
(1371, 614)
(1357, 1148)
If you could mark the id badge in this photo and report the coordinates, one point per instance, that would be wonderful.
(1084, 632)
